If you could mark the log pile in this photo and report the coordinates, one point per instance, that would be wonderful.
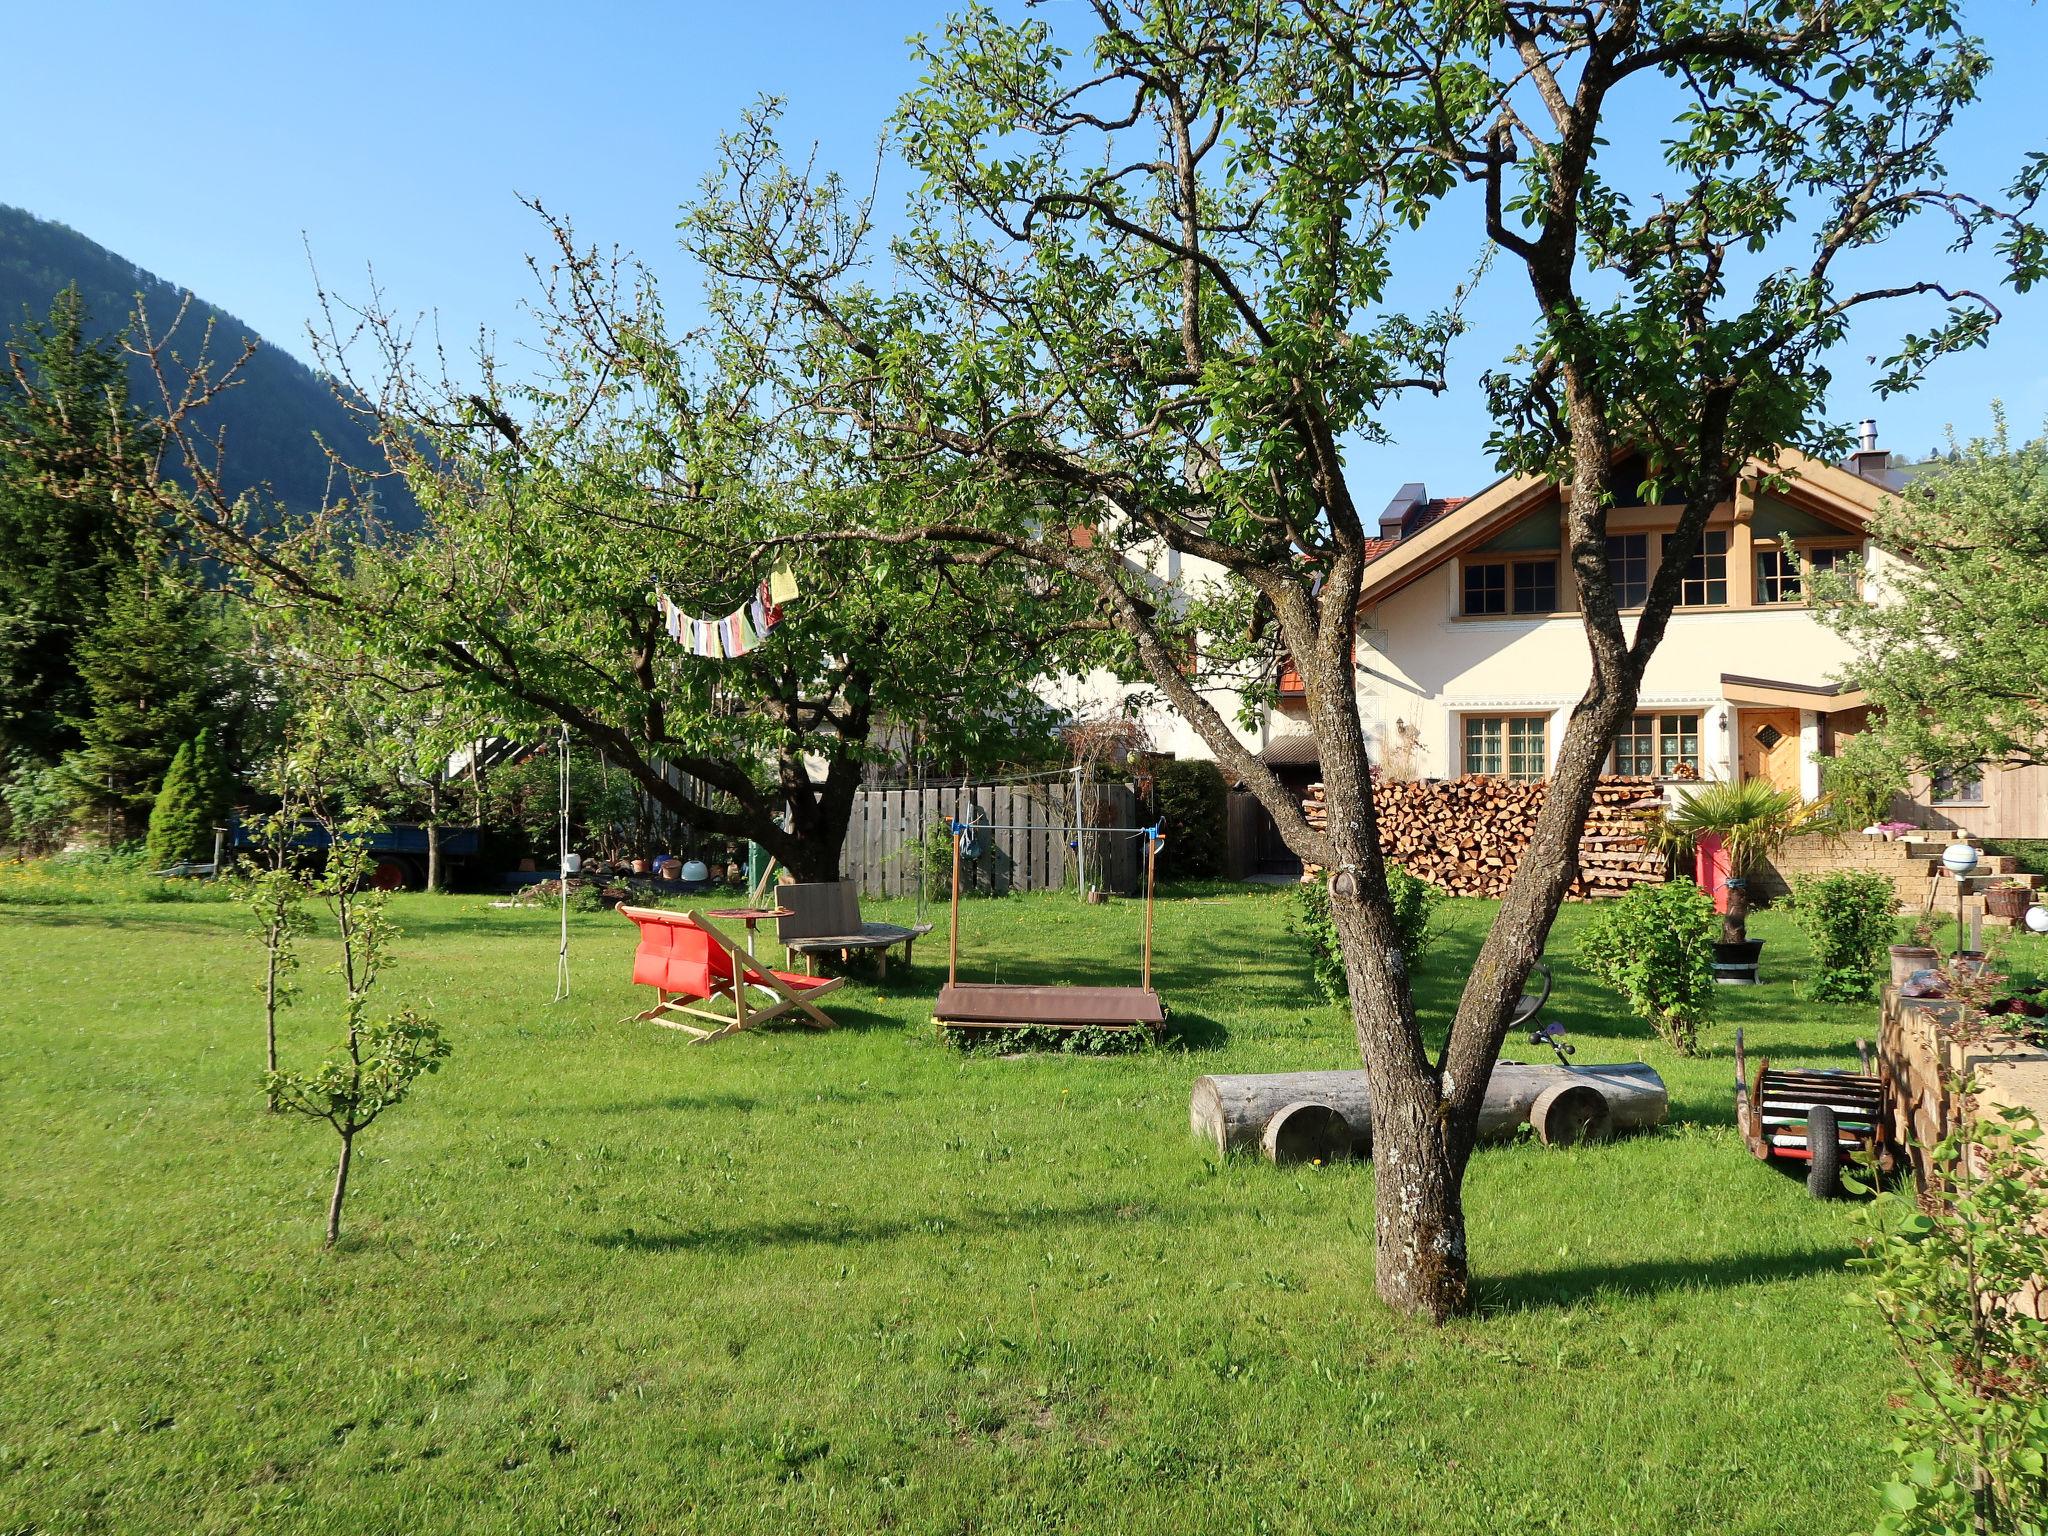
(1466, 835)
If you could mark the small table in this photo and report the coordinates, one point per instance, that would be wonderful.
(748, 915)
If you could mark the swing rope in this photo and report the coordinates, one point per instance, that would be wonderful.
(562, 872)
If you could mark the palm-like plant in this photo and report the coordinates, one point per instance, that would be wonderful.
(1751, 818)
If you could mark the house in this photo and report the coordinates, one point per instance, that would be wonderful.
(1471, 652)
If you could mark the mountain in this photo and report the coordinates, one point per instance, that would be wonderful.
(272, 417)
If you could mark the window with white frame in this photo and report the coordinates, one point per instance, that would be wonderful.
(1958, 789)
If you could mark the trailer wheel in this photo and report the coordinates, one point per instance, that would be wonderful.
(1824, 1150)
(390, 873)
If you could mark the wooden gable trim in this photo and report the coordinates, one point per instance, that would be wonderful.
(1833, 495)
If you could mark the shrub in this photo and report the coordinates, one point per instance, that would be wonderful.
(1192, 799)
(1849, 917)
(179, 828)
(1972, 1420)
(1655, 946)
(1416, 904)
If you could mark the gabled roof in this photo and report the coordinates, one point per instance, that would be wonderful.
(1821, 488)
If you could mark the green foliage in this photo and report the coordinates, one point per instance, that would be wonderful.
(150, 684)
(1655, 946)
(71, 454)
(179, 828)
(1849, 917)
(1861, 780)
(1192, 799)
(98, 877)
(35, 804)
(1953, 1287)
(379, 1060)
(1751, 818)
(2031, 852)
(1954, 652)
(1416, 903)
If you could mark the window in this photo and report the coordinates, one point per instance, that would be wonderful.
(1954, 789)
(1535, 586)
(1509, 744)
(1486, 588)
(1635, 749)
(1628, 561)
(1678, 746)
(1661, 746)
(1777, 575)
(1706, 574)
(1511, 586)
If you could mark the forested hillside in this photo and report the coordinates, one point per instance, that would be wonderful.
(275, 419)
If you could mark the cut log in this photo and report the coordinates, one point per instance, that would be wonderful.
(1310, 1133)
(1233, 1112)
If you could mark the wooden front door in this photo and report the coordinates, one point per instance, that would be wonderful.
(1770, 746)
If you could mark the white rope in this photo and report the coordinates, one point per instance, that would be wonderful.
(562, 875)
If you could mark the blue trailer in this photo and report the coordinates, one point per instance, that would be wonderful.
(398, 852)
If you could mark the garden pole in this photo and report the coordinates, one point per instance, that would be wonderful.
(1080, 840)
(1151, 858)
(953, 927)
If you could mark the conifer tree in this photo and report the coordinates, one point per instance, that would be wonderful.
(72, 448)
(178, 822)
(149, 686)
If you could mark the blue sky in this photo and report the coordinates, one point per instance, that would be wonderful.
(204, 140)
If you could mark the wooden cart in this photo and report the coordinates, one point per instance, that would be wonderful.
(1824, 1119)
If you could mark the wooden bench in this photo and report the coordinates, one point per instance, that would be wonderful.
(824, 919)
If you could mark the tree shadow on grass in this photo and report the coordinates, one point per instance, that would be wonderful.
(977, 1221)
(1576, 1285)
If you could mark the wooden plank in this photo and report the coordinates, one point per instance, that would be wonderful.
(982, 1002)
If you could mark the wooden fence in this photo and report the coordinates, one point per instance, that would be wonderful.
(1030, 845)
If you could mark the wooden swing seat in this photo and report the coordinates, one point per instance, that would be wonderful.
(965, 1005)
(692, 965)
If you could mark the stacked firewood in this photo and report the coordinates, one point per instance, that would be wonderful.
(1465, 835)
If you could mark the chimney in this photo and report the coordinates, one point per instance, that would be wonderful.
(1869, 461)
(1406, 500)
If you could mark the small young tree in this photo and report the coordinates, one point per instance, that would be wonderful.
(175, 818)
(379, 1059)
(1959, 1290)
(1752, 819)
(276, 894)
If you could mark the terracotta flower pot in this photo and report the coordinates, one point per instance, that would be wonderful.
(1908, 958)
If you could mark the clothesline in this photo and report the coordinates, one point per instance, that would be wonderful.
(737, 632)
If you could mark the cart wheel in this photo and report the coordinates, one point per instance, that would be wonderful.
(1824, 1146)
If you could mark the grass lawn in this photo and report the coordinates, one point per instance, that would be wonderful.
(596, 1278)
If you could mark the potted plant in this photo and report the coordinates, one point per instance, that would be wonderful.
(1916, 954)
(1752, 821)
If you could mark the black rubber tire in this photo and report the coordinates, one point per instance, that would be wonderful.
(1824, 1148)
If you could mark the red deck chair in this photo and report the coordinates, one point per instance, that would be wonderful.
(690, 964)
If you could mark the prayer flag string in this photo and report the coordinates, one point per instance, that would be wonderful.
(740, 631)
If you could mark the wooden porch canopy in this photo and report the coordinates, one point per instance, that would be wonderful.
(1821, 698)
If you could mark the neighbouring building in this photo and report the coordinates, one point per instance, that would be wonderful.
(1471, 652)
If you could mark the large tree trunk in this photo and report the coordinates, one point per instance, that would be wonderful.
(1420, 1254)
